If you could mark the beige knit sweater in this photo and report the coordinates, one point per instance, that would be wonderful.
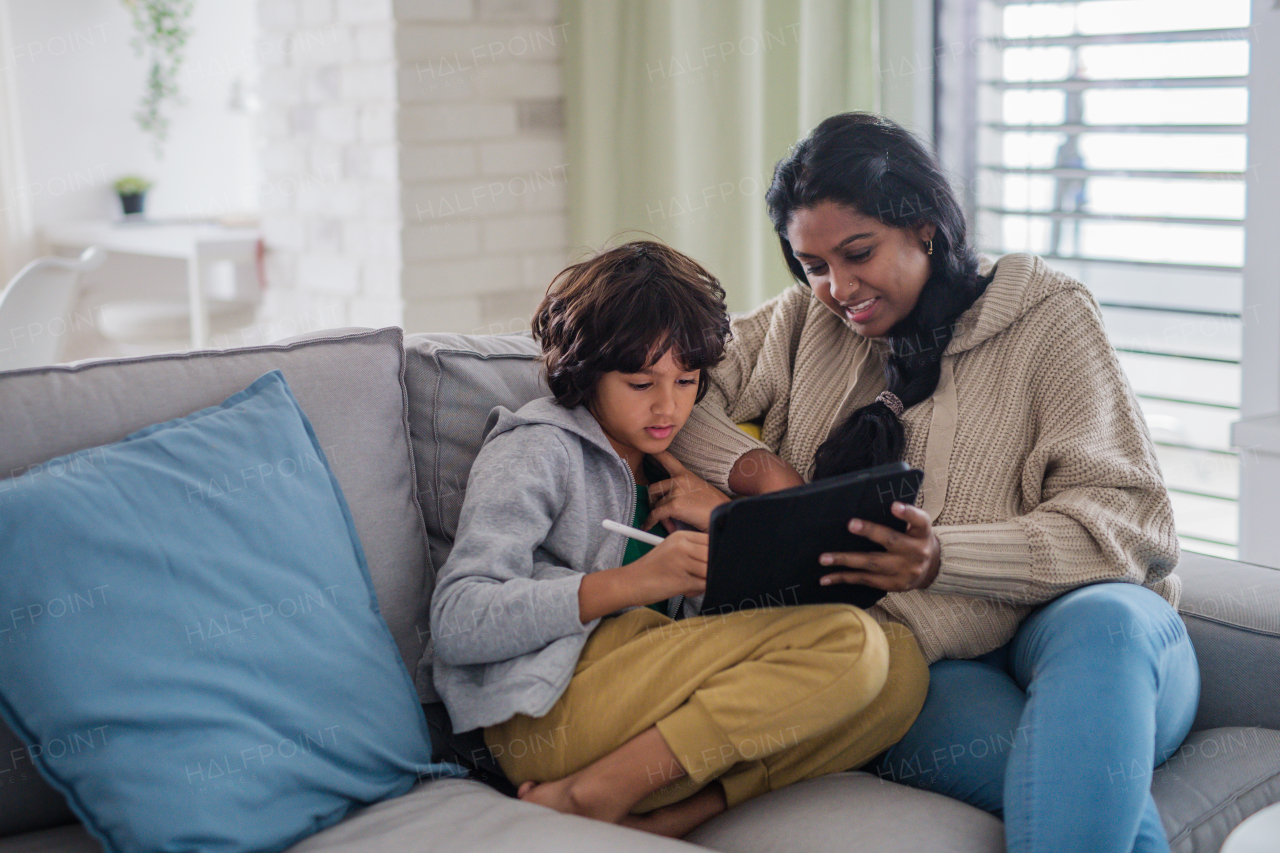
(1040, 475)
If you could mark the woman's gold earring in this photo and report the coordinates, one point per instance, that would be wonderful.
(930, 251)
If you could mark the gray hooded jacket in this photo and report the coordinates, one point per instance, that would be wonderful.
(504, 616)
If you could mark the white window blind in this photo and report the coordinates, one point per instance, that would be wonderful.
(1108, 136)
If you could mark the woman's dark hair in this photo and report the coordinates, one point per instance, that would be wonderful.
(877, 168)
(623, 309)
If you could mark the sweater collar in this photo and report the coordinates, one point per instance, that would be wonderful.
(1021, 282)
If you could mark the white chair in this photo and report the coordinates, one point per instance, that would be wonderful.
(35, 309)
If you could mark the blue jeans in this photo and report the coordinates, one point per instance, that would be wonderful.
(1058, 731)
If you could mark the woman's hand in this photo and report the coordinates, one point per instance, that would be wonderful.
(683, 497)
(910, 560)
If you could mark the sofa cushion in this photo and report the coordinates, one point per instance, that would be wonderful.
(852, 812)
(1232, 612)
(453, 382)
(26, 800)
(451, 814)
(350, 384)
(1215, 780)
(836, 811)
(198, 659)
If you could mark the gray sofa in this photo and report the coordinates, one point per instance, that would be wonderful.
(399, 419)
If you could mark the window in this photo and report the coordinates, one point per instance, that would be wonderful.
(1108, 136)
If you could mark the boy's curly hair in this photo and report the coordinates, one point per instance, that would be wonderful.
(623, 309)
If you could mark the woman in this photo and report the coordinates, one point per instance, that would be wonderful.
(1036, 569)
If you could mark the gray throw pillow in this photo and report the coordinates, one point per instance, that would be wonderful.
(453, 382)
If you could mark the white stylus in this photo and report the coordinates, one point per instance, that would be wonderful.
(647, 538)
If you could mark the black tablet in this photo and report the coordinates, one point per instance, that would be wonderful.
(765, 549)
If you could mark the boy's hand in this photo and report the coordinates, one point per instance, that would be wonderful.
(676, 567)
(683, 497)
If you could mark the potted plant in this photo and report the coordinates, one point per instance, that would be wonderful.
(132, 190)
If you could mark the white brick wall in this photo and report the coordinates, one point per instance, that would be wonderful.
(330, 164)
(478, 93)
(434, 10)
(413, 159)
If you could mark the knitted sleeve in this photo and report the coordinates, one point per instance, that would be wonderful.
(1099, 508)
(754, 377)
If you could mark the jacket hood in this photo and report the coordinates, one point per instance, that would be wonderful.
(545, 410)
(1021, 282)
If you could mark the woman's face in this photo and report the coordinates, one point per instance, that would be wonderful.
(868, 273)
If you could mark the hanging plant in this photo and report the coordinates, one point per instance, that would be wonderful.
(161, 32)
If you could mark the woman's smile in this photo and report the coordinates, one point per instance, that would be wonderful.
(863, 311)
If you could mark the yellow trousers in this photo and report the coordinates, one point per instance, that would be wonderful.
(755, 699)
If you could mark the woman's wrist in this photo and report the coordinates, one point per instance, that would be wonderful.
(758, 471)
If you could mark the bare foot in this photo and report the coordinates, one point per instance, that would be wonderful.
(679, 819)
(611, 786)
(570, 796)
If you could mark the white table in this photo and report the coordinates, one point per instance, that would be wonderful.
(1260, 833)
(196, 243)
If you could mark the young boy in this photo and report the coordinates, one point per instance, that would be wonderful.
(593, 703)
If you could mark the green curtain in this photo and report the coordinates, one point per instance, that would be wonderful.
(677, 110)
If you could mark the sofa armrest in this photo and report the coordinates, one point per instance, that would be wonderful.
(1232, 612)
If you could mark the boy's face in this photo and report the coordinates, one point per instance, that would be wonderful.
(642, 412)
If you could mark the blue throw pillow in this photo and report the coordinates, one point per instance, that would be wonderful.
(189, 639)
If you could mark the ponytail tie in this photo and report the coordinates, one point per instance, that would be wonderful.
(891, 400)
